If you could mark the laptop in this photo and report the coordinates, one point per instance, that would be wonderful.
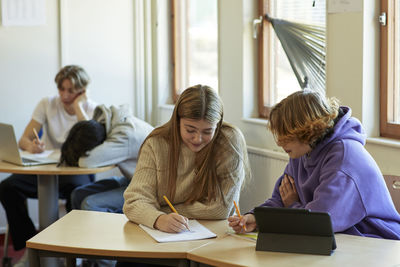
(294, 230)
(9, 149)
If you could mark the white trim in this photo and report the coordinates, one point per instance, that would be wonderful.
(268, 153)
(257, 121)
(143, 51)
(384, 142)
(63, 28)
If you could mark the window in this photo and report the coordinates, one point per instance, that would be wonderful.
(195, 44)
(390, 58)
(276, 77)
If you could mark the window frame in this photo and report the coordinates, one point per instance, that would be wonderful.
(388, 78)
(264, 56)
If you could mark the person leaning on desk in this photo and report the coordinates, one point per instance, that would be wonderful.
(55, 116)
(113, 137)
(329, 169)
(196, 160)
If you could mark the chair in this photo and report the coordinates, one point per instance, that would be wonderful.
(393, 184)
(6, 260)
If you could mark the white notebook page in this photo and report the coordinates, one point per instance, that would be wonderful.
(197, 231)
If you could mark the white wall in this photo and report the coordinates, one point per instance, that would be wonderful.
(98, 34)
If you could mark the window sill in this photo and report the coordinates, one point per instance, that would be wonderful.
(257, 121)
(382, 141)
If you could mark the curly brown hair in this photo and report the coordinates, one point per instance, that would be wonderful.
(306, 116)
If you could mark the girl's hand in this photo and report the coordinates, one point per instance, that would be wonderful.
(171, 223)
(288, 191)
(248, 220)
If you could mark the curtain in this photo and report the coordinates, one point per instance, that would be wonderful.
(304, 46)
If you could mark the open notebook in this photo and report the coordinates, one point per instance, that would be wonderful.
(197, 231)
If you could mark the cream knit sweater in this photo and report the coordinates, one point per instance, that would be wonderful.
(144, 201)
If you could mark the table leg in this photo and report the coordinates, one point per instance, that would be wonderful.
(34, 260)
(48, 208)
(48, 200)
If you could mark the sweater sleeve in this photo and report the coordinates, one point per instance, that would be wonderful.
(141, 205)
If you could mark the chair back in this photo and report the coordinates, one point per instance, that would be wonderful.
(393, 184)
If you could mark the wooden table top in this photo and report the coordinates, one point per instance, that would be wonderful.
(101, 233)
(50, 169)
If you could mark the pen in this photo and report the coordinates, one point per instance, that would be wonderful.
(36, 134)
(238, 213)
(173, 209)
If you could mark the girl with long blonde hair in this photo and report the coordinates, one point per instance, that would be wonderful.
(196, 160)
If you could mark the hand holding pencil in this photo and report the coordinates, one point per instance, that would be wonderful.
(37, 145)
(173, 222)
(238, 214)
(242, 224)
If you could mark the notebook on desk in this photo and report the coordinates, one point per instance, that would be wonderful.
(9, 150)
(197, 231)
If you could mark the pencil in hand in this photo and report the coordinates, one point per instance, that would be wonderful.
(36, 135)
(173, 209)
(238, 213)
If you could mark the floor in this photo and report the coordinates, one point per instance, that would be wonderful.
(15, 255)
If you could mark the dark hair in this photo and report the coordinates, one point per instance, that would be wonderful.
(83, 136)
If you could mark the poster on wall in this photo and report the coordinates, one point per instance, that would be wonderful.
(23, 12)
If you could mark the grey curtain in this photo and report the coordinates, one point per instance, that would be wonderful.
(304, 46)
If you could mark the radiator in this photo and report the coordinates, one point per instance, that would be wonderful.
(266, 167)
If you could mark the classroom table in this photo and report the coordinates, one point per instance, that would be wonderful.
(90, 234)
(48, 185)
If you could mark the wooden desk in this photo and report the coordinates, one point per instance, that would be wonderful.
(48, 185)
(351, 251)
(110, 235)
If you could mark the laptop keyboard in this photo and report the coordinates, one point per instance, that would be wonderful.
(25, 160)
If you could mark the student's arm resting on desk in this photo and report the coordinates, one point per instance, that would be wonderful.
(141, 204)
(28, 140)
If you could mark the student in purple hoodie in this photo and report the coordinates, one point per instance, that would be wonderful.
(329, 169)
